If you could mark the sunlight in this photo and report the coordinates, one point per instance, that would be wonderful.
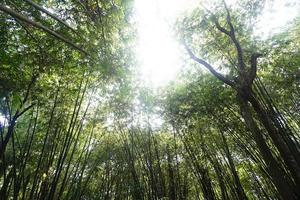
(3, 120)
(276, 15)
(158, 51)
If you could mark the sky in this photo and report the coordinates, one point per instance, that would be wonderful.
(158, 52)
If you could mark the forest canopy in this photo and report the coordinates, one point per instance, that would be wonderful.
(78, 121)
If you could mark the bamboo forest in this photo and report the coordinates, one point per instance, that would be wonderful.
(150, 99)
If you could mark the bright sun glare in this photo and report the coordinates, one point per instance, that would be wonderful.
(158, 52)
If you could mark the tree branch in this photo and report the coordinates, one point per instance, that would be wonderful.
(23, 111)
(220, 28)
(10, 129)
(16, 15)
(40, 8)
(231, 34)
(209, 67)
(253, 69)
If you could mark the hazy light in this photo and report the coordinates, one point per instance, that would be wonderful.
(3, 120)
(159, 53)
(276, 15)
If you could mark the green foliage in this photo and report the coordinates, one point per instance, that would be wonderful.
(79, 126)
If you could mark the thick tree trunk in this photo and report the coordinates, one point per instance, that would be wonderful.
(285, 188)
(280, 144)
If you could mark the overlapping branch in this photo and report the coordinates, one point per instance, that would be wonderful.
(209, 67)
(23, 18)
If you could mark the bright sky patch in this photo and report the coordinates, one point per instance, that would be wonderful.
(158, 52)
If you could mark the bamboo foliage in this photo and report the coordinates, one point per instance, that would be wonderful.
(77, 124)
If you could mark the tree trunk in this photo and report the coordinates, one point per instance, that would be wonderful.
(280, 144)
(239, 188)
(284, 187)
